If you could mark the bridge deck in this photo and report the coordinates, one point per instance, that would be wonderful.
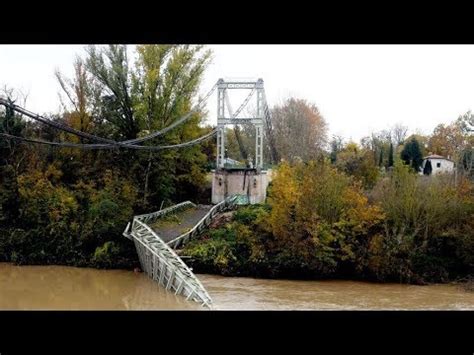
(173, 225)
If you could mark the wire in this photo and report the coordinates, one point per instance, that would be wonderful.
(116, 144)
(109, 146)
(175, 123)
(244, 103)
(79, 133)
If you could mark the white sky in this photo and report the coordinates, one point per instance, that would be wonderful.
(358, 89)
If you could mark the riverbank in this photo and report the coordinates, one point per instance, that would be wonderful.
(243, 243)
(72, 288)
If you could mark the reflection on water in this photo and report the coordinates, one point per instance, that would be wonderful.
(59, 287)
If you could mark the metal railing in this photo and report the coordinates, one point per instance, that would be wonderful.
(203, 223)
(158, 259)
(162, 264)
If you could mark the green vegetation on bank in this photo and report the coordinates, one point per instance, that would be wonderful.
(319, 223)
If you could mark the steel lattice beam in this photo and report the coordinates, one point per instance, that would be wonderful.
(257, 120)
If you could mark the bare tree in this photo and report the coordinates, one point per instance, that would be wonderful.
(399, 133)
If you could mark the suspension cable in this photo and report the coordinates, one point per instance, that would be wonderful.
(109, 143)
(110, 146)
(79, 133)
(244, 103)
(175, 123)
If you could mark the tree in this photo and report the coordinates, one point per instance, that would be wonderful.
(12, 156)
(299, 130)
(134, 99)
(428, 168)
(456, 141)
(399, 133)
(336, 145)
(109, 68)
(390, 156)
(466, 122)
(359, 163)
(446, 140)
(315, 211)
(77, 93)
(411, 154)
(378, 144)
(466, 155)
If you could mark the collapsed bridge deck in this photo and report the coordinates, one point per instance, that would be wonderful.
(156, 236)
(175, 224)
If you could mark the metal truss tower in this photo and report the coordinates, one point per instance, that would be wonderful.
(223, 103)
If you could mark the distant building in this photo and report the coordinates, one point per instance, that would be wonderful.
(439, 164)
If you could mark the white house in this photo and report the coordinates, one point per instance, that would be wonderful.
(439, 164)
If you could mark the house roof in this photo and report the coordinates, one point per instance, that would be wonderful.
(435, 156)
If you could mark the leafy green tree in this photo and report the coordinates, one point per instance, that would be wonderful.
(137, 98)
(12, 156)
(411, 154)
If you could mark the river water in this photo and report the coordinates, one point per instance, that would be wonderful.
(59, 287)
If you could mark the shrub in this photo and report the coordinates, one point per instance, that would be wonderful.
(428, 225)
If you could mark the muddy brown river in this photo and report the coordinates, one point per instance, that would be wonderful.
(70, 288)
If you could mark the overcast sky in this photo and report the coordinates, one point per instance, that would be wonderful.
(358, 89)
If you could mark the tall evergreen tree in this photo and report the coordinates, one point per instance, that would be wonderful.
(428, 168)
(411, 154)
(390, 156)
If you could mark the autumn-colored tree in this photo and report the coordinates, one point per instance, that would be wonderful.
(314, 208)
(446, 140)
(456, 141)
(299, 130)
(320, 223)
(378, 144)
(77, 94)
(359, 163)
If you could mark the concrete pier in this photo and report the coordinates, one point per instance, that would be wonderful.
(240, 181)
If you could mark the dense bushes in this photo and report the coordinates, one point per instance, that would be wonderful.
(428, 229)
(234, 249)
(319, 223)
(73, 225)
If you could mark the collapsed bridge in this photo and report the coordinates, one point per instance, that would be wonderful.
(157, 251)
(156, 242)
